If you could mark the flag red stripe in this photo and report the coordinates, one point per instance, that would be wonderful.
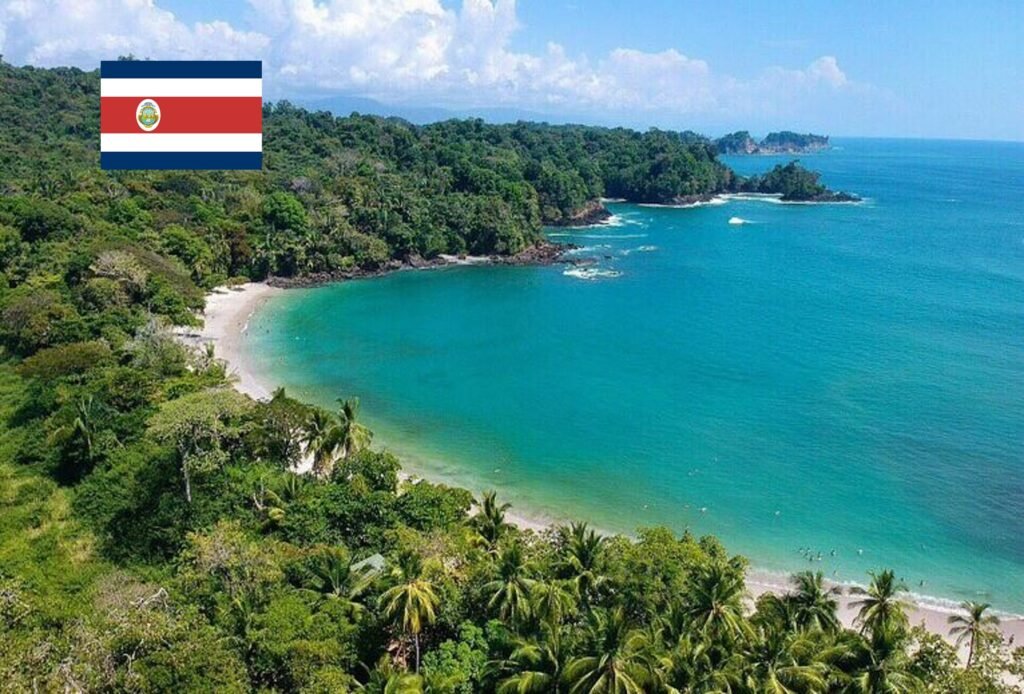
(234, 114)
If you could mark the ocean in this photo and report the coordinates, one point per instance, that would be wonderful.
(835, 387)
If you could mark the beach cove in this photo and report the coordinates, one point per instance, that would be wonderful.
(831, 387)
(235, 321)
(227, 318)
(745, 400)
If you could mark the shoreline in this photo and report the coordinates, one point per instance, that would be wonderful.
(226, 320)
(225, 323)
(724, 198)
(542, 253)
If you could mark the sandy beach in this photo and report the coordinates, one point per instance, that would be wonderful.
(226, 320)
(931, 617)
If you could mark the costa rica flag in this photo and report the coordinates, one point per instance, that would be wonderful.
(181, 114)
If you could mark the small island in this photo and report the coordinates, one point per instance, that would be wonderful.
(795, 184)
(784, 142)
(790, 182)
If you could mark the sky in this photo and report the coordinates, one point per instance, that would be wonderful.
(947, 69)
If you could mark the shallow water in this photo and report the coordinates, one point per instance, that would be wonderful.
(843, 378)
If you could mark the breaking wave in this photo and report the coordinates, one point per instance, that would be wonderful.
(591, 273)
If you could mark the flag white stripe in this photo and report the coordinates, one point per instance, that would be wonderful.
(180, 87)
(181, 142)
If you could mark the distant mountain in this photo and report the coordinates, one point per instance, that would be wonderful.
(784, 142)
(344, 105)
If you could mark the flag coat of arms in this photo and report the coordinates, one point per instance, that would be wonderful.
(181, 114)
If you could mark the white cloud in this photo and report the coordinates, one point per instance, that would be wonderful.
(82, 32)
(823, 71)
(345, 44)
(666, 79)
(826, 69)
(402, 50)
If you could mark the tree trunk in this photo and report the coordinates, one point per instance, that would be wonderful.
(188, 482)
(970, 650)
(416, 641)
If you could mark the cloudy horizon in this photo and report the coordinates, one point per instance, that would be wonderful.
(479, 54)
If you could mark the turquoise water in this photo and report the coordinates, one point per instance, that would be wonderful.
(844, 378)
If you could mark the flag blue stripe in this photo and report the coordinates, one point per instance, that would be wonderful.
(181, 160)
(181, 69)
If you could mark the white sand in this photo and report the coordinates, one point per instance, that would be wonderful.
(932, 618)
(226, 320)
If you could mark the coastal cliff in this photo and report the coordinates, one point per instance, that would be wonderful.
(592, 212)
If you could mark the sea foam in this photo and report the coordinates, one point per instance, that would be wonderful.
(611, 236)
(588, 249)
(591, 273)
(638, 249)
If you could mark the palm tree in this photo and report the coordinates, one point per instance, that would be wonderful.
(82, 427)
(412, 603)
(972, 625)
(882, 607)
(815, 605)
(334, 578)
(843, 653)
(783, 663)
(537, 665)
(713, 602)
(694, 665)
(490, 520)
(615, 662)
(552, 600)
(329, 436)
(885, 665)
(354, 436)
(321, 439)
(779, 612)
(388, 679)
(510, 591)
(583, 550)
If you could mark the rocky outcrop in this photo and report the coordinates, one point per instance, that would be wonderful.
(690, 200)
(827, 196)
(737, 143)
(542, 253)
(788, 142)
(593, 212)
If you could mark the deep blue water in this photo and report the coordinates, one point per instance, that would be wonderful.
(833, 377)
